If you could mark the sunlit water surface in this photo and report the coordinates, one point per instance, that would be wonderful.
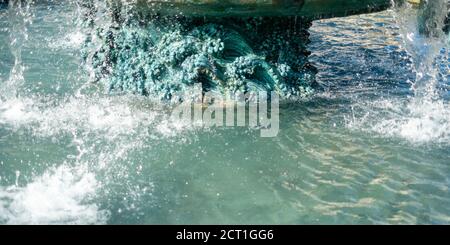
(363, 150)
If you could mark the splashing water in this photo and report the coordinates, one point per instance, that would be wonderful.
(72, 154)
(430, 114)
(57, 197)
(425, 116)
(66, 192)
(20, 17)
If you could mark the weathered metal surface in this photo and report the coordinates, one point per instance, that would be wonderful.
(313, 9)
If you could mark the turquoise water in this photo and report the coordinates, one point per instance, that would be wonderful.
(372, 146)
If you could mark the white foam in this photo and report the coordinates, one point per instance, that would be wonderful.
(425, 117)
(15, 111)
(60, 196)
(429, 121)
(69, 193)
(413, 120)
(106, 116)
(71, 40)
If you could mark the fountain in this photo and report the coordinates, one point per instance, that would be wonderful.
(162, 48)
(368, 151)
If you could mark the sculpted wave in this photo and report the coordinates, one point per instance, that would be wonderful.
(164, 56)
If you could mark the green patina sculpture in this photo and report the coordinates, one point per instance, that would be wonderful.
(162, 48)
(163, 57)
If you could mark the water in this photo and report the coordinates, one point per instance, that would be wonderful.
(372, 146)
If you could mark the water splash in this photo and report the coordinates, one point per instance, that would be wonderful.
(60, 196)
(426, 42)
(20, 17)
(103, 131)
(423, 117)
(111, 144)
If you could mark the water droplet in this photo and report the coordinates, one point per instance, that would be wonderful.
(17, 177)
